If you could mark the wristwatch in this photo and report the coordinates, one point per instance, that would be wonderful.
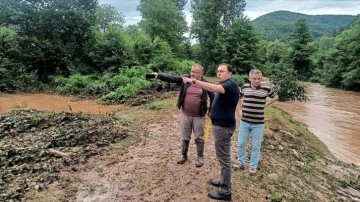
(193, 81)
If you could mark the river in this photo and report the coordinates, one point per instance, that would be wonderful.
(334, 116)
(56, 103)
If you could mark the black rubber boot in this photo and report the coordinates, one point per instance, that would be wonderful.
(200, 154)
(184, 151)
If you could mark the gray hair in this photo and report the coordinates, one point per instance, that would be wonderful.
(199, 66)
(255, 71)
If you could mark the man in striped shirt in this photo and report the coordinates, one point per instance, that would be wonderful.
(253, 100)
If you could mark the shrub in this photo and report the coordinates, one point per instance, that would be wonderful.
(286, 85)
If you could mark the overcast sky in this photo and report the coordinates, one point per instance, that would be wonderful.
(256, 8)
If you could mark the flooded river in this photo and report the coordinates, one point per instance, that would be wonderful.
(54, 103)
(334, 116)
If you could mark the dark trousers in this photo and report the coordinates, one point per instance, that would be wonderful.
(222, 138)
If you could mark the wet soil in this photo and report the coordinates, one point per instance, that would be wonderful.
(295, 166)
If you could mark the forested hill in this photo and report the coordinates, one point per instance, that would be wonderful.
(280, 23)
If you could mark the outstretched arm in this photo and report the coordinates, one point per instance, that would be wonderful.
(216, 88)
(168, 78)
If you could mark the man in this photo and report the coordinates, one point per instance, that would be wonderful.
(192, 102)
(223, 125)
(253, 100)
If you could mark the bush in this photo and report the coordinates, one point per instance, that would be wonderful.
(13, 77)
(286, 85)
(240, 79)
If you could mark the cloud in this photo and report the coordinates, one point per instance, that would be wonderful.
(255, 8)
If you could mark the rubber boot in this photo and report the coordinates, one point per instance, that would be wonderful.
(200, 154)
(184, 151)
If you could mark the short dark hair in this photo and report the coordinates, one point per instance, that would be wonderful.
(228, 66)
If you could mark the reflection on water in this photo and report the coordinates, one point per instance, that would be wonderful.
(54, 103)
(334, 116)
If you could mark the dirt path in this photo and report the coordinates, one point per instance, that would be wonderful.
(148, 171)
(295, 166)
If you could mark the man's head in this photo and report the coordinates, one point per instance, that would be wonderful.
(196, 71)
(224, 72)
(255, 76)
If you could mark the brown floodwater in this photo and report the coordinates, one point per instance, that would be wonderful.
(55, 103)
(334, 116)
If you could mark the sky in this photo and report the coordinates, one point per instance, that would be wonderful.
(256, 8)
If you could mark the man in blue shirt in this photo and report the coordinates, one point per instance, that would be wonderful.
(223, 125)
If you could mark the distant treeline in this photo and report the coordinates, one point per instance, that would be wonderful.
(83, 47)
(280, 24)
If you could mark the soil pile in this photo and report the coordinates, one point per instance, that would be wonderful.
(35, 146)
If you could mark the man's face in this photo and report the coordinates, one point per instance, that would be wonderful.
(222, 73)
(196, 73)
(255, 79)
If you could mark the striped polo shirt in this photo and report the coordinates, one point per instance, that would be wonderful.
(254, 102)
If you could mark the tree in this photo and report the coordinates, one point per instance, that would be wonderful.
(52, 33)
(12, 73)
(110, 50)
(342, 67)
(143, 47)
(107, 15)
(237, 45)
(286, 84)
(323, 47)
(161, 18)
(210, 18)
(301, 52)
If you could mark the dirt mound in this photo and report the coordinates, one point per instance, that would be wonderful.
(35, 146)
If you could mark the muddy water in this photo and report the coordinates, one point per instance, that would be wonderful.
(54, 103)
(334, 116)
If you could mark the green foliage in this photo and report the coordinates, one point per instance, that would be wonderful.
(342, 65)
(286, 85)
(13, 76)
(76, 84)
(301, 51)
(106, 15)
(237, 45)
(162, 55)
(51, 33)
(323, 47)
(143, 46)
(163, 19)
(110, 87)
(280, 24)
(210, 18)
(240, 79)
(110, 50)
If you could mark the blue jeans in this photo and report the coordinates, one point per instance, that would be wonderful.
(257, 134)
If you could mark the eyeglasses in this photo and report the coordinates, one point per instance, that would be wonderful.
(221, 71)
(195, 72)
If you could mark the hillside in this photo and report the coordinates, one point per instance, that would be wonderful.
(278, 24)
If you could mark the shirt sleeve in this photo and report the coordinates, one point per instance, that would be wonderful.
(271, 93)
(229, 86)
(241, 92)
